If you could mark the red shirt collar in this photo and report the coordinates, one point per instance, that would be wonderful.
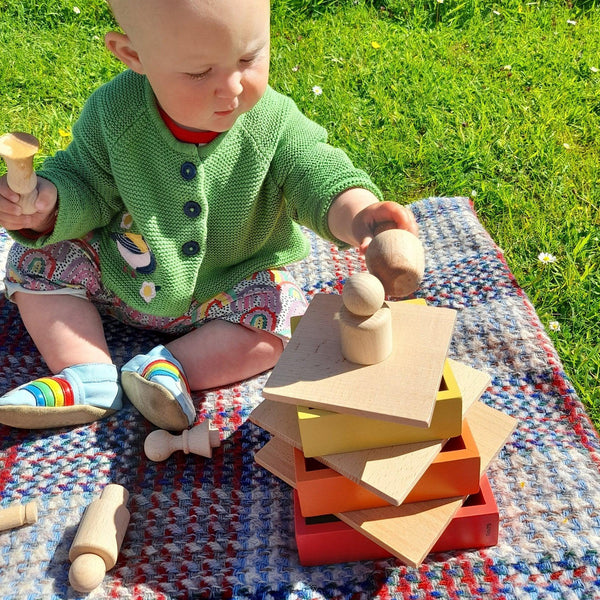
(185, 135)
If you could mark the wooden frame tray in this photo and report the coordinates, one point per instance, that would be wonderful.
(455, 471)
(329, 540)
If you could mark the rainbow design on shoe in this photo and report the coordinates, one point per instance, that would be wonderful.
(157, 386)
(79, 394)
(50, 391)
(162, 367)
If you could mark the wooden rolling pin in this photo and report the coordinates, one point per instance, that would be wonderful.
(18, 515)
(98, 540)
(18, 149)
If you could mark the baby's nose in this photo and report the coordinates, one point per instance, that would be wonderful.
(231, 86)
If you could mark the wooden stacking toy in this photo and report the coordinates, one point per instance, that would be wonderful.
(201, 439)
(365, 321)
(406, 530)
(405, 488)
(17, 150)
(397, 258)
(382, 436)
(98, 540)
(17, 515)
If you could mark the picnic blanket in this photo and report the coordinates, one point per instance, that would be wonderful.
(223, 527)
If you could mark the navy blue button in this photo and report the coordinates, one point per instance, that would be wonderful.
(191, 209)
(188, 170)
(190, 248)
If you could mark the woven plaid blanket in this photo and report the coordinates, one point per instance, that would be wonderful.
(223, 527)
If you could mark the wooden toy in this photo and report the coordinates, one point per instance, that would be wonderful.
(17, 150)
(363, 294)
(98, 540)
(372, 468)
(410, 531)
(201, 439)
(397, 258)
(476, 524)
(328, 540)
(403, 388)
(365, 321)
(327, 432)
(17, 515)
(321, 490)
(455, 471)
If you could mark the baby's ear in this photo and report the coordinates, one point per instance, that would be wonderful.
(120, 45)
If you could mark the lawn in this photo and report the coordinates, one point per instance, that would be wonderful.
(496, 101)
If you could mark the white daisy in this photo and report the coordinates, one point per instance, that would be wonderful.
(545, 257)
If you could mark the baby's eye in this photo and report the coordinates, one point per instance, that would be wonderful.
(248, 61)
(198, 75)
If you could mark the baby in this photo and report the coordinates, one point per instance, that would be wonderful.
(176, 207)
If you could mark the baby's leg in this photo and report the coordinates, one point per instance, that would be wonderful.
(237, 335)
(68, 332)
(159, 383)
(220, 353)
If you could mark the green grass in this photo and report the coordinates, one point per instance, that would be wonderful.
(499, 101)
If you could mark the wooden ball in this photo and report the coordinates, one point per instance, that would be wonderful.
(363, 294)
(397, 258)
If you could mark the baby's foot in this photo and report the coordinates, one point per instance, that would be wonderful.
(156, 385)
(78, 394)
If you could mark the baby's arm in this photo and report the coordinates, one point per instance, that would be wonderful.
(356, 215)
(42, 220)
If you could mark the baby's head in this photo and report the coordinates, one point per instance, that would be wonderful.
(206, 60)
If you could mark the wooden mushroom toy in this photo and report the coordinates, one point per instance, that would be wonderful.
(17, 150)
(17, 515)
(98, 539)
(365, 321)
(201, 439)
(397, 258)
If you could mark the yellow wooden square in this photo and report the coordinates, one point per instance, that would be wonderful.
(327, 432)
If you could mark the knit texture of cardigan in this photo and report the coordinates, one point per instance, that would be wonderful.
(178, 221)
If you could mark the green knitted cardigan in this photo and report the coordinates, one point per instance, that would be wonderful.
(177, 221)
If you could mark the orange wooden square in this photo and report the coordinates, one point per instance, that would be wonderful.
(454, 472)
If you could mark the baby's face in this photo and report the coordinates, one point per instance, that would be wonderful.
(207, 60)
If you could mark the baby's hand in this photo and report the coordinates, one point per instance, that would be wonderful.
(380, 216)
(11, 215)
